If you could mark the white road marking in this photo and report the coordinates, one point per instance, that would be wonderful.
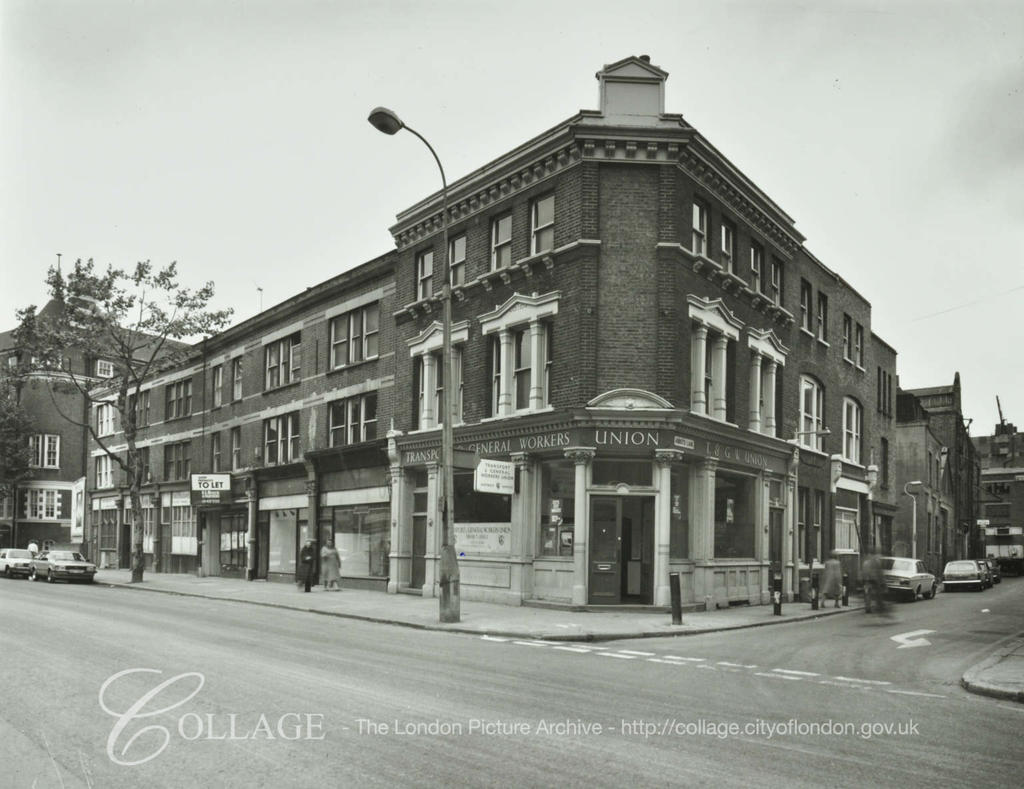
(985, 611)
(666, 662)
(908, 640)
(800, 673)
(633, 652)
(866, 681)
(689, 659)
(618, 655)
(494, 638)
(844, 685)
(531, 643)
(914, 693)
(734, 665)
(572, 649)
(776, 676)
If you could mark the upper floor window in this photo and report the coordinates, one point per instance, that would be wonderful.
(812, 413)
(236, 448)
(847, 337)
(236, 378)
(177, 461)
(806, 296)
(281, 439)
(355, 336)
(105, 419)
(218, 385)
(883, 470)
(45, 451)
(457, 261)
(756, 268)
(353, 420)
(699, 242)
(138, 404)
(425, 274)
(284, 361)
(852, 427)
(542, 220)
(428, 382)
(43, 504)
(178, 397)
(494, 375)
(501, 242)
(104, 368)
(776, 285)
(728, 247)
(858, 345)
(104, 477)
(822, 317)
(215, 456)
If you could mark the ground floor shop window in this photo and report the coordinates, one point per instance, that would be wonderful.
(557, 508)
(233, 532)
(287, 529)
(362, 536)
(108, 530)
(734, 516)
(679, 525)
(846, 530)
(183, 529)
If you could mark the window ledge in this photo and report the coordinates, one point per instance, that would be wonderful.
(715, 419)
(282, 386)
(812, 450)
(808, 333)
(353, 365)
(518, 414)
(824, 342)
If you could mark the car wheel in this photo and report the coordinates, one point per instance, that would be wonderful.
(930, 593)
(49, 577)
(914, 594)
(7, 572)
(33, 575)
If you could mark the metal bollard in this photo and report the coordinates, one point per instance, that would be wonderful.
(777, 594)
(677, 599)
(846, 590)
(814, 591)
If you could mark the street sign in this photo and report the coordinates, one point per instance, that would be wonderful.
(495, 476)
(983, 522)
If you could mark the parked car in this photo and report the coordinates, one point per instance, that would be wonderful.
(69, 565)
(963, 574)
(908, 577)
(15, 561)
(993, 568)
(986, 574)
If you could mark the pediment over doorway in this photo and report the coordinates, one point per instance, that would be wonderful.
(629, 400)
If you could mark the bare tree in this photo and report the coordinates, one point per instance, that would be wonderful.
(141, 321)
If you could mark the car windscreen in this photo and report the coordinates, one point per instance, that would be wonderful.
(961, 566)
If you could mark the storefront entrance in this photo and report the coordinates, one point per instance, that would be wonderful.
(621, 559)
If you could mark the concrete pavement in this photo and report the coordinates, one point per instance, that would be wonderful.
(478, 618)
(1000, 675)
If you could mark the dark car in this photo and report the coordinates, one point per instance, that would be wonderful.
(57, 565)
(15, 561)
(993, 568)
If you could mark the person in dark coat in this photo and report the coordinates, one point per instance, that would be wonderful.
(832, 582)
(307, 558)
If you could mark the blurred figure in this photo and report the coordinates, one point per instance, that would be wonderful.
(874, 585)
(832, 582)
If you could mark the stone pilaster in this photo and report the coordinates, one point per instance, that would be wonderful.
(582, 457)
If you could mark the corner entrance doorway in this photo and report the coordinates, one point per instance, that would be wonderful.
(621, 563)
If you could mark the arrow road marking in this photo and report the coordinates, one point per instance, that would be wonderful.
(907, 640)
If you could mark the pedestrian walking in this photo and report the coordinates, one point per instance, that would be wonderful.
(307, 557)
(874, 585)
(832, 587)
(330, 566)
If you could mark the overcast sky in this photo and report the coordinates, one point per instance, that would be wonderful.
(232, 137)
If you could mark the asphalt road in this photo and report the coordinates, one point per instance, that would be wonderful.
(266, 697)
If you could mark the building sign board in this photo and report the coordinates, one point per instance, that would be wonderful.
(495, 476)
(210, 489)
(483, 539)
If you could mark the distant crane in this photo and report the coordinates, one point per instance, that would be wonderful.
(1000, 407)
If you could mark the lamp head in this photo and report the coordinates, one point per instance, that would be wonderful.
(385, 120)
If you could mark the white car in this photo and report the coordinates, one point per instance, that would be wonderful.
(908, 577)
(15, 561)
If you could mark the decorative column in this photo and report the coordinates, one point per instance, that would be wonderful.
(536, 365)
(507, 375)
(251, 520)
(581, 456)
(428, 384)
(768, 395)
(702, 528)
(664, 458)
(718, 374)
(525, 522)
(434, 521)
(791, 579)
(754, 419)
(698, 350)
(397, 561)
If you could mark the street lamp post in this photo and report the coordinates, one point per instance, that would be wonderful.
(386, 121)
(913, 517)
